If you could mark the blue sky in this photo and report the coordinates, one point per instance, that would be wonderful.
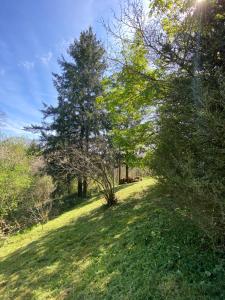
(33, 35)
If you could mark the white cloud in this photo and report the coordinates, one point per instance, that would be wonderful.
(45, 59)
(28, 65)
(16, 128)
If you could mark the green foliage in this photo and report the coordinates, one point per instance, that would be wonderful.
(15, 176)
(24, 189)
(189, 147)
(128, 98)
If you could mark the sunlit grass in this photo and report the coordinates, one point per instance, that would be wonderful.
(139, 249)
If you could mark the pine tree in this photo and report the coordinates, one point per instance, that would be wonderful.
(76, 119)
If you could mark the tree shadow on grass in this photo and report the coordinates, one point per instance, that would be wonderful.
(72, 201)
(139, 249)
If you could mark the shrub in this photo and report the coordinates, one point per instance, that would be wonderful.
(40, 202)
(24, 190)
(14, 175)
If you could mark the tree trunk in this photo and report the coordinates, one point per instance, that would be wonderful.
(87, 150)
(127, 173)
(119, 172)
(110, 198)
(79, 187)
(68, 185)
(85, 187)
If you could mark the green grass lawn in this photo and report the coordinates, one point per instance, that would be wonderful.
(143, 248)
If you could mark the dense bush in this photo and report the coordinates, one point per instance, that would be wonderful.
(38, 203)
(189, 156)
(24, 191)
(15, 176)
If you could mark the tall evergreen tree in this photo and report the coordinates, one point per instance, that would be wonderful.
(76, 119)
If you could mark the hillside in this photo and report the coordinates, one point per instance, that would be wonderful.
(139, 249)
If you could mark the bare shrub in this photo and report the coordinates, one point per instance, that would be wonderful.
(40, 203)
(97, 164)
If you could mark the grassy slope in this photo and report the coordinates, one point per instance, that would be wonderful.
(140, 249)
